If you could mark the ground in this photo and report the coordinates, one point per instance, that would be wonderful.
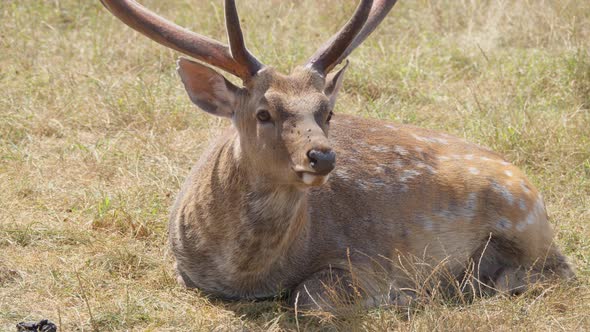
(97, 135)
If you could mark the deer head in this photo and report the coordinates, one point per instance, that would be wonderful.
(282, 120)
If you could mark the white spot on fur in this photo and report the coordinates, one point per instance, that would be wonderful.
(503, 191)
(408, 175)
(362, 184)
(398, 163)
(391, 127)
(508, 173)
(465, 212)
(485, 159)
(400, 150)
(530, 218)
(426, 222)
(440, 140)
(505, 163)
(473, 170)
(431, 169)
(376, 182)
(522, 204)
(436, 140)
(524, 187)
(420, 164)
(471, 205)
(428, 168)
(446, 215)
(419, 138)
(379, 148)
(503, 224)
(537, 213)
(379, 169)
(419, 149)
(468, 157)
(443, 158)
(342, 173)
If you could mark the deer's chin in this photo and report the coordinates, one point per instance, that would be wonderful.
(311, 179)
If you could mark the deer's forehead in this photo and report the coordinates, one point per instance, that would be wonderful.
(303, 102)
(300, 82)
(300, 92)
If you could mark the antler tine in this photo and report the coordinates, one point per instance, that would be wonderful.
(379, 10)
(326, 58)
(236, 39)
(176, 37)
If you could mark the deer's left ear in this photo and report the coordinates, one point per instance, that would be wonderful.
(333, 83)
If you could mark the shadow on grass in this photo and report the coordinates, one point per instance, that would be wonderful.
(276, 314)
(273, 314)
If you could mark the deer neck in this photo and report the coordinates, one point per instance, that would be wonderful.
(272, 218)
(275, 215)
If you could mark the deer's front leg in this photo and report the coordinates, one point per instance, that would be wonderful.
(333, 289)
(325, 290)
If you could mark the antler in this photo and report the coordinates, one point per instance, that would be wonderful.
(354, 32)
(236, 40)
(326, 56)
(237, 61)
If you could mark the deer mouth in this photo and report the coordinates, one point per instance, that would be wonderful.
(312, 179)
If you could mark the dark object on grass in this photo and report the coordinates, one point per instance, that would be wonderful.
(42, 326)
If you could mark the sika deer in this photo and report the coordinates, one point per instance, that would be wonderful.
(266, 210)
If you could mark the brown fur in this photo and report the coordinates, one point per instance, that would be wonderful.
(245, 226)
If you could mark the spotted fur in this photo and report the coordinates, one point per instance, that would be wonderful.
(240, 230)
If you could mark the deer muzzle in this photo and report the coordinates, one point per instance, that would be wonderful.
(322, 161)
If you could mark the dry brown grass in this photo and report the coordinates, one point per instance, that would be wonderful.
(96, 136)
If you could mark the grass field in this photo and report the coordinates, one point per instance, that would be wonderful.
(97, 135)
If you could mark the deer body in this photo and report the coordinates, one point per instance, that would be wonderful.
(417, 193)
(266, 210)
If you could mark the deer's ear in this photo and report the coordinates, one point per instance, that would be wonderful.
(333, 83)
(207, 88)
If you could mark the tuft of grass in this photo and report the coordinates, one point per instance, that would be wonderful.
(97, 135)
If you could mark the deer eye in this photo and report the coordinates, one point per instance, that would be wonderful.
(329, 117)
(263, 116)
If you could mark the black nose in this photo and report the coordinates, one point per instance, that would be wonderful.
(322, 162)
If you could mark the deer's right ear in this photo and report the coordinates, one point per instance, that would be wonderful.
(207, 88)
